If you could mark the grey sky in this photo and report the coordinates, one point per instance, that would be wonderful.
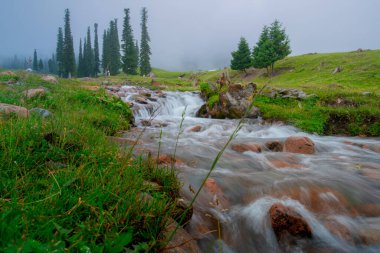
(195, 34)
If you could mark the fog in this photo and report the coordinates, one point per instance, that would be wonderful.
(194, 34)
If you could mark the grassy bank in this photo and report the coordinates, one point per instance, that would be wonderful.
(64, 186)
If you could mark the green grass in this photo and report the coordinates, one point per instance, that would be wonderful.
(65, 187)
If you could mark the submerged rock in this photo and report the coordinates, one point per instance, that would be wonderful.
(196, 128)
(300, 145)
(275, 146)
(287, 221)
(244, 147)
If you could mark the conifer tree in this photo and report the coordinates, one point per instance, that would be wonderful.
(68, 48)
(88, 56)
(40, 65)
(59, 52)
(241, 59)
(145, 52)
(137, 53)
(114, 49)
(273, 45)
(80, 60)
(129, 58)
(263, 52)
(105, 54)
(52, 65)
(96, 51)
(35, 60)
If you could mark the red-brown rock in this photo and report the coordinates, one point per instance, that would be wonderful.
(243, 147)
(282, 164)
(196, 128)
(218, 197)
(300, 145)
(275, 146)
(287, 221)
(168, 160)
(340, 231)
(182, 242)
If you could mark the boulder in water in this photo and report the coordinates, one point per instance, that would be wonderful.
(275, 146)
(218, 197)
(300, 145)
(168, 160)
(287, 221)
(232, 104)
(244, 147)
(196, 128)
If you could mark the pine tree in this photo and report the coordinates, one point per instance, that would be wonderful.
(35, 61)
(114, 49)
(40, 65)
(88, 56)
(105, 54)
(145, 52)
(262, 53)
(80, 60)
(129, 58)
(59, 52)
(52, 65)
(68, 48)
(137, 53)
(241, 59)
(96, 51)
(280, 42)
(273, 45)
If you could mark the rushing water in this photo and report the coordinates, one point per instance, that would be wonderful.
(336, 190)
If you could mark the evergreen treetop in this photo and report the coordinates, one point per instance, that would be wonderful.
(241, 59)
(145, 52)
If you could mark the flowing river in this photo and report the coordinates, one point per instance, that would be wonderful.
(336, 191)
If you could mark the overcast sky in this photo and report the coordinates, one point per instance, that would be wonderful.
(195, 34)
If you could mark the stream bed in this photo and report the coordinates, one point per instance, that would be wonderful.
(334, 191)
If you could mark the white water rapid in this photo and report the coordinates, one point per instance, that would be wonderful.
(336, 191)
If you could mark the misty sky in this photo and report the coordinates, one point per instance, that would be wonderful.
(195, 34)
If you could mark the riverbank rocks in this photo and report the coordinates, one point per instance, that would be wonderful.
(286, 93)
(232, 104)
(31, 93)
(182, 242)
(300, 145)
(7, 109)
(285, 221)
(50, 79)
(244, 147)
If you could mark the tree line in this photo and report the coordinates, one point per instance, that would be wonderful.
(128, 56)
(273, 45)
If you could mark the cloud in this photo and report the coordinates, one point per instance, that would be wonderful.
(195, 34)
